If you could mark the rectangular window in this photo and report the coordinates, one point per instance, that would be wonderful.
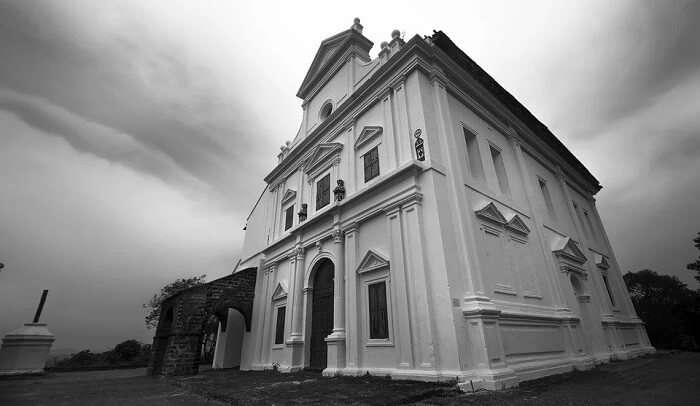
(371, 160)
(500, 169)
(590, 223)
(279, 329)
(473, 155)
(289, 217)
(607, 287)
(323, 192)
(547, 197)
(580, 220)
(378, 317)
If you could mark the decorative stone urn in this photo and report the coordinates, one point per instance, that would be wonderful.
(25, 350)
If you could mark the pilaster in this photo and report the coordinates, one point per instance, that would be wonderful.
(352, 339)
(389, 132)
(403, 138)
(336, 340)
(400, 290)
(553, 274)
(420, 288)
(296, 338)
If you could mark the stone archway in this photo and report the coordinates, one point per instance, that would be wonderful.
(229, 342)
(178, 340)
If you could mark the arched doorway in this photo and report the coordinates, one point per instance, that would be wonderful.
(321, 314)
(230, 340)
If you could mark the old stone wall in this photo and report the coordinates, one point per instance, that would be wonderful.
(178, 339)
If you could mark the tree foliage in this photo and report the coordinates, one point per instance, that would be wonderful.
(669, 308)
(153, 305)
(129, 353)
(695, 265)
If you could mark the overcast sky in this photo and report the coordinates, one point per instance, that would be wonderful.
(134, 135)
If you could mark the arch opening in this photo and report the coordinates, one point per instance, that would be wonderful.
(321, 313)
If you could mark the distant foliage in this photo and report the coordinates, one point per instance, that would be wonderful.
(153, 305)
(669, 308)
(129, 353)
(695, 266)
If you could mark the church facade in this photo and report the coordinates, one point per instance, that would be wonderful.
(424, 225)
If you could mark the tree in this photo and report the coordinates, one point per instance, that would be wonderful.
(670, 310)
(153, 305)
(695, 266)
(127, 350)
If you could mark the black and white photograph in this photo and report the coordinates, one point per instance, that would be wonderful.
(228, 202)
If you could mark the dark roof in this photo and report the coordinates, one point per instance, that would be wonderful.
(443, 42)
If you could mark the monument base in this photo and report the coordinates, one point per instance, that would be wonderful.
(25, 350)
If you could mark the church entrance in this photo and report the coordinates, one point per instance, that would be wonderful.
(321, 314)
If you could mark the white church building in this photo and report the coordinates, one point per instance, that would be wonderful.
(423, 224)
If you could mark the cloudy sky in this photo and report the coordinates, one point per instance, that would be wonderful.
(134, 135)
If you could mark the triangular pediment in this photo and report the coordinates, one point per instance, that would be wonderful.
(329, 51)
(517, 225)
(289, 195)
(367, 134)
(490, 212)
(321, 154)
(372, 261)
(567, 248)
(280, 291)
(601, 261)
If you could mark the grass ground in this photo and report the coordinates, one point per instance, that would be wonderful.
(664, 379)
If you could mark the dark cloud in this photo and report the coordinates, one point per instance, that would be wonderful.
(135, 82)
(93, 138)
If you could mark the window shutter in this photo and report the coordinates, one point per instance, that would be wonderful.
(279, 330)
(378, 320)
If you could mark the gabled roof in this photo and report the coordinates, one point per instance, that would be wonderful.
(443, 42)
(330, 49)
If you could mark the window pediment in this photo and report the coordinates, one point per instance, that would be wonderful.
(601, 261)
(280, 292)
(517, 225)
(372, 261)
(490, 212)
(323, 156)
(566, 248)
(289, 195)
(367, 134)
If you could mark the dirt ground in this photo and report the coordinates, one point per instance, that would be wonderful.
(663, 379)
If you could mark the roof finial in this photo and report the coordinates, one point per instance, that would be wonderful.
(356, 25)
(395, 34)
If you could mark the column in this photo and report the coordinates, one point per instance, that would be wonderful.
(352, 338)
(336, 340)
(400, 296)
(296, 336)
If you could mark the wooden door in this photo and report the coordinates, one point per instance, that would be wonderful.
(321, 315)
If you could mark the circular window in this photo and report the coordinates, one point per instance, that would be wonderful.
(326, 110)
